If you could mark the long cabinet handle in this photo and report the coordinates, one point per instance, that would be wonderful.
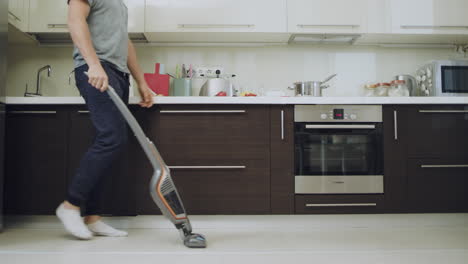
(201, 26)
(443, 111)
(444, 166)
(326, 25)
(14, 16)
(343, 205)
(340, 126)
(282, 124)
(33, 112)
(395, 124)
(57, 26)
(83, 112)
(203, 111)
(434, 27)
(207, 167)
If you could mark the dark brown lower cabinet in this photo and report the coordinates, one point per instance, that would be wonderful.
(140, 168)
(426, 158)
(437, 186)
(118, 197)
(35, 178)
(230, 142)
(339, 204)
(395, 155)
(282, 159)
(233, 159)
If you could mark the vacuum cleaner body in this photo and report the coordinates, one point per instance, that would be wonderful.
(162, 188)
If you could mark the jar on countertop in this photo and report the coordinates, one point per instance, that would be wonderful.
(370, 90)
(399, 89)
(382, 89)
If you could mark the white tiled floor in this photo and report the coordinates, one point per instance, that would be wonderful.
(249, 239)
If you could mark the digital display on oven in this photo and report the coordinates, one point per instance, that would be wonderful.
(338, 114)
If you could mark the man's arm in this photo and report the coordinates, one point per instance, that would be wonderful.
(137, 73)
(78, 11)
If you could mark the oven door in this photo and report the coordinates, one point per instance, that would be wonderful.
(338, 158)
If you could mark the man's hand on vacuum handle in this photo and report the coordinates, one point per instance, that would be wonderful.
(98, 77)
(78, 11)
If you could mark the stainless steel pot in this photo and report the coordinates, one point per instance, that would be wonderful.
(312, 88)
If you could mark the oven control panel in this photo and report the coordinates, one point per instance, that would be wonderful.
(338, 113)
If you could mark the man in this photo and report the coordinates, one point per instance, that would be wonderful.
(103, 50)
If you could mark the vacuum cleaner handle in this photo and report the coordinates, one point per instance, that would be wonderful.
(147, 145)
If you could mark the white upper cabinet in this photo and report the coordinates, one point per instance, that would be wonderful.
(136, 15)
(327, 16)
(18, 14)
(51, 15)
(48, 16)
(216, 16)
(429, 16)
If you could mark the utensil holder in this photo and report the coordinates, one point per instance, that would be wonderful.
(181, 87)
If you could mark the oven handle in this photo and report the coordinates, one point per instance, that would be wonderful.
(340, 126)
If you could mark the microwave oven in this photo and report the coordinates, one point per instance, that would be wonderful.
(443, 78)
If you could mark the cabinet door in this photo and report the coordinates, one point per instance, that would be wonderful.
(48, 16)
(18, 14)
(51, 16)
(438, 131)
(429, 16)
(230, 143)
(282, 159)
(216, 16)
(327, 16)
(436, 185)
(136, 15)
(395, 141)
(36, 144)
(119, 184)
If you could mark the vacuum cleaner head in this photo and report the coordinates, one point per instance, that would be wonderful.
(165, 195)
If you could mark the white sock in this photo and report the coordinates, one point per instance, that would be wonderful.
(100, 228)
(73, 222)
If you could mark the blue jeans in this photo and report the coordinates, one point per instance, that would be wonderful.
(86, 187)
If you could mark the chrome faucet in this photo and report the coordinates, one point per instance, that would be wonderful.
(38, 83)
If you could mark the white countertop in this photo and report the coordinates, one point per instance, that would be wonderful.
(254, 100)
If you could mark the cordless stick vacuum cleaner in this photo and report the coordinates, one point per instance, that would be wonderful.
(162, 188)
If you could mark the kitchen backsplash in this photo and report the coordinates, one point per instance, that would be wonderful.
(259, 69)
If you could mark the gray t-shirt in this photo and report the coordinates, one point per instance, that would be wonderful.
(108, 24)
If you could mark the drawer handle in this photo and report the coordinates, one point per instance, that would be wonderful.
(83, 112)
(444, 166)
(443, 111)
(432, 27)
(33, 112)
(340, 126)
(343, 205)
(325, 25)
(57, 25)
(14, 16)
(200, 26)
(203, 111)
(207, 167)
(282, 125)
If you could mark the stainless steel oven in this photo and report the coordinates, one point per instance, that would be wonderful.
(338, 149)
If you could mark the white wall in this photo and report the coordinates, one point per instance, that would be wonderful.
(258, 68)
